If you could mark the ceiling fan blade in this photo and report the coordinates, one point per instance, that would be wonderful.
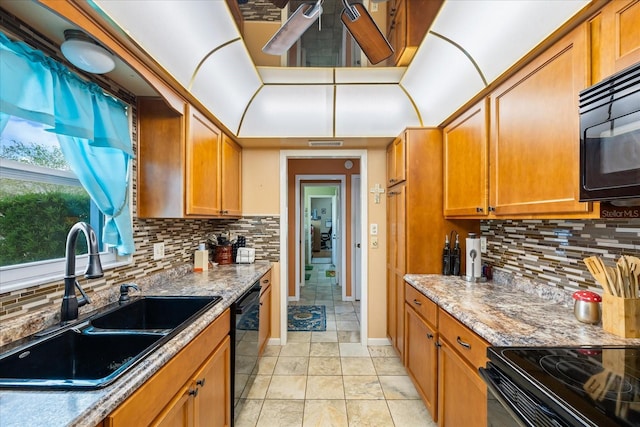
(293, 29)
(366, 33)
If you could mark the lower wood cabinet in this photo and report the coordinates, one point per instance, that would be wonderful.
(442, 357)
(192, 389)
(421, 355)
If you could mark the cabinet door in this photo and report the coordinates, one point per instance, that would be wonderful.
(466, 163)
(265, 318)
(212, 404)
(179, 413)
(396, 163)
(231, 177)
(534, 133)
(421, 358)
(462, 395)
(202, 174)
(615, 38)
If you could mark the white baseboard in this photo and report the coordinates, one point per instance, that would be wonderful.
(378, 341)
(274, 341)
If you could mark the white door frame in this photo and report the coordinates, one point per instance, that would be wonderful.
(356, 237)
(285, 155)
(338, 181)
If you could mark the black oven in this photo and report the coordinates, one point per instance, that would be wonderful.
(563, 386)
(610, 138)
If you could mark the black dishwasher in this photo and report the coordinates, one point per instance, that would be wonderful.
(244, 351)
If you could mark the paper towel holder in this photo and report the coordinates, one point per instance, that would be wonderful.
(474, 258)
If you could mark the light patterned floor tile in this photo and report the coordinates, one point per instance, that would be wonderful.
(249, 413)
(291, 366)
(281, 413)
(287, 387)
(362, 387)
(382, 351)
(326, 336)
(357, 366)
(410, 413)
(298, 336)
(398, 387)
(272, 350)
(265, 365)
(295, 349)
(349, 336)
(369, 413)
(353, 350)
(259, 387)
(324, 349)
(325, 366)
(388, 366)
(325, 387)
(325, 413)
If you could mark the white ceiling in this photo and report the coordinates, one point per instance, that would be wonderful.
(470, 44)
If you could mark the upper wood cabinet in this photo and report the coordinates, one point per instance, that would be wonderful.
(614, 33)
(231, 179)
(466, 163)
(187, 168)
(534, 144)
(396, 161)
(407, 23)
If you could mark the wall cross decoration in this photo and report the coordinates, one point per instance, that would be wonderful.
(377, 190)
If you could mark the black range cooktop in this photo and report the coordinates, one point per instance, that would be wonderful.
(591, 386)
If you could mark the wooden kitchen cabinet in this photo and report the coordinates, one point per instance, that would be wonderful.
(407, 23)
(396, 162)
(422, 356)
(614, 37)
(466, 163)
(534, 128)
(187, 167)
(265, 312)
(191, 389)
(462, 394)
(416, 227)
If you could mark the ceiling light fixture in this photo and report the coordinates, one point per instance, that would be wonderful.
(365, 32)
(293, 29)
(86, 53)
(325, 143)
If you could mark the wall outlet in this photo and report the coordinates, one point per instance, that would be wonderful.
(373, 229)
(158, 250)
(483, 245)
(374, 242)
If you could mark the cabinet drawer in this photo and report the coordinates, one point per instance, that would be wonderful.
(469, 345)
(426, 308)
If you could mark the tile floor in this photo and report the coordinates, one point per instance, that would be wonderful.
(329, 378)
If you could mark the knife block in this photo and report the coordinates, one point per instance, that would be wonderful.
(621, 316)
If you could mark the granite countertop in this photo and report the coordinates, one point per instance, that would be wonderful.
(505, 315)
(88, 408)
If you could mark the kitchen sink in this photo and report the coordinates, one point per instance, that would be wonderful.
(94, 352)
(151, 314)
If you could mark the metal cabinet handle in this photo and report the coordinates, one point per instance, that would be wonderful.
(492, 209)
(438, 344)
(392, 180)
(416, 302)
(201, 382)
(265, 281)
(478, 209)
(430, 336)
(464, 344)
(193, 392)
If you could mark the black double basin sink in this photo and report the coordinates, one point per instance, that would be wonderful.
(94, 352)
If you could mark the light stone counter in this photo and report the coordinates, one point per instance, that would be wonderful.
(505, 315)
(88, 408)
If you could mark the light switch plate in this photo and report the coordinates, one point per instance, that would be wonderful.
(158, 251)
(373, 229)
(374, 242)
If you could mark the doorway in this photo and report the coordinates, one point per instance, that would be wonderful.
(293, 164)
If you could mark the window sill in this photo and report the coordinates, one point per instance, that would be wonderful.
(24, 276)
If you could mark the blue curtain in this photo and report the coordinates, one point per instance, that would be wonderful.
(93, 129)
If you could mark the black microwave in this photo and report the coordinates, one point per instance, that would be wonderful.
(610, 138)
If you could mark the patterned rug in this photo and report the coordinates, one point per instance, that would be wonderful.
(300, 318)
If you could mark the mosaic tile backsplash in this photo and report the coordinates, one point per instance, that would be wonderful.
(551, 251)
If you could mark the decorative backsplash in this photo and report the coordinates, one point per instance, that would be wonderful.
(551, 251)
(260, 10)
(261, 232)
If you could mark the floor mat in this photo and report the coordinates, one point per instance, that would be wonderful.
(307, 276)
(308, 267)
(307, 318)
(330, 273)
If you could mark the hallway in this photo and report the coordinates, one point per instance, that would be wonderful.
(328, 378)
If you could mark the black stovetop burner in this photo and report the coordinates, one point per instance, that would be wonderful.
(596, 386)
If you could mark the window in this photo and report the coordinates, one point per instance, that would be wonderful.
(40, 200)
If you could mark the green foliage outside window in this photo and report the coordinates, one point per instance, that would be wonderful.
(34, 227)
